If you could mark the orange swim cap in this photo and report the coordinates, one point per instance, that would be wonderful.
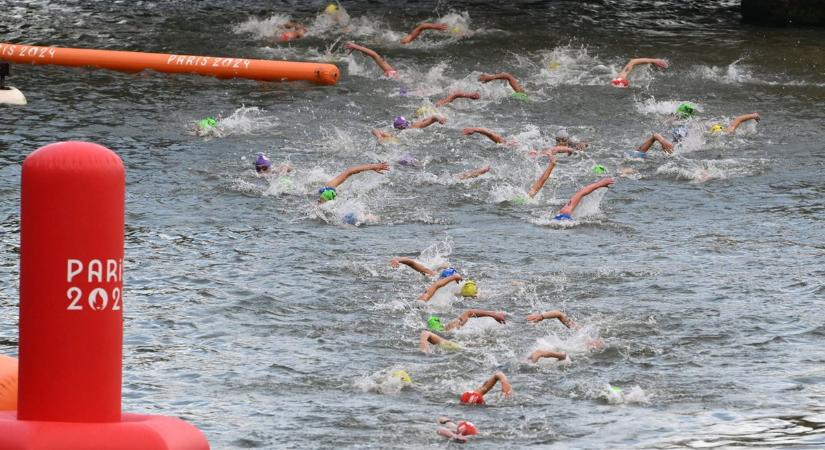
(472, 397)
(466, 429)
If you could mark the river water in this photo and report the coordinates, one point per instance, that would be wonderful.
(257, 315)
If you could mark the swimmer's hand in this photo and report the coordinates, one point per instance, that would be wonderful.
(499, 316)
(535, 318)
(353, 46)
(605, 182)
(394, 263)
(660, 63)
(380, 167)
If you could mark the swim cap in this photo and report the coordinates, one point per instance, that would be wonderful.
(620, 82)
(262, 163)
(616, 389)
(448, 272)
(285, 181)
(553, 65)
(520, 200)
(456, 30)
(599, 169)
(350, 219)
(406, 159)
(562, 134)
(405, 377)
(434, 324)
(472, 397)
(400, 123)
(207, 123)
(469, 289)
(466, 428)
(327, 193)
(331, 8)
(685, 110)
(424, 111)
(716, 128)
(519, 96)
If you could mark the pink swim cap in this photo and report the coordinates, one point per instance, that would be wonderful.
(472, 397)
(620, 82)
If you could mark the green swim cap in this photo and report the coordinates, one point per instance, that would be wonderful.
(520, 200)
(434, 324)
(519, 96)
(328, 193)
(686, 110)
(616, 389)
(207, 123)
(285, 181)
(599, 169)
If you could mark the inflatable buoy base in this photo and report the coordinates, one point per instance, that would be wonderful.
(133, 432)
(11, 96)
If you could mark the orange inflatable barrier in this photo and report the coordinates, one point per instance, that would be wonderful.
(8, 383)
(254, 69)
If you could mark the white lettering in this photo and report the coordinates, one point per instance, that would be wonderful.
(76, 293)
(111, 270)
(95, 271)
(171, 58)
(71, 273)
(104, 299)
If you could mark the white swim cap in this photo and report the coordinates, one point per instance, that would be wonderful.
(562, 134)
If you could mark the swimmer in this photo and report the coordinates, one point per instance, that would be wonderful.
(328, 192)
(621, 79)
(492, 135)
(717, 128)
(487, 77)
(449, 275)
(473, 173)
(566, 212)
(426, 338)
(293, 30)
(400, 123)
(563, 139)
(535, 318)
(388, 70)
(536, 187)
(424, 26)
(264, 167)
(477, 397)
(416, 265)
(456, 95)
(457, 431)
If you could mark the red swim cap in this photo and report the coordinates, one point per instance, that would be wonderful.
(466, 429)
(285, 36)
(620, 82)
(472, 397)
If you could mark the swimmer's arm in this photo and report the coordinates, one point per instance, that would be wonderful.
(426, 338)
(506, 388)
(473, 173)
(742, 119)
(486, 132)
(578, 196)
(661, 63)
(538, 354)
(424, 26)
(377, 167)
(428, 294)
(562, 317)
(466, 315)
(381, 135)
(536, 187)
(415, 265)
(552, 151)
(444, 432)
(372, 54)
(487, 77)
(424, 123)
(456, 95)
(667, 146)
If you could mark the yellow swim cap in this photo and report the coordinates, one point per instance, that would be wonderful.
(553, 65)
(331, 8)
(405, 377)
(456, 30)
(716, 128)
(469, 289)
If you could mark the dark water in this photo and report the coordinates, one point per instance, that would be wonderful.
(255, 314)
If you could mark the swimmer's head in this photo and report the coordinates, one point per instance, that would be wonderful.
(553, 65)
(262, 164)
(403, 375)
(434, 324)
(472, 398)
(562, 136)
(403, 92)
(327, 193)
(332, 8)
(406, 159)
(400, 123)
(350, 219)
(686, 110)
(599, 169)
(616, 389)
(207, 123)
(716, 128)
(448, 272)
(520, 200)
(424, 111)
(519, 96)
(620, 82)
(469, 289)
(456, 30)
(466, 429)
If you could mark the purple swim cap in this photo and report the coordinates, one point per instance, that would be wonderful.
(400, 123)
(262, 163)
(406, 159)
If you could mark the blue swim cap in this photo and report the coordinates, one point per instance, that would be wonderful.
(350, 219)
(448, 272)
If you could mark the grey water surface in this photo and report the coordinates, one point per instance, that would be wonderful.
(257, 315)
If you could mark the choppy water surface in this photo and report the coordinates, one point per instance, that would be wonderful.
(257, 315)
